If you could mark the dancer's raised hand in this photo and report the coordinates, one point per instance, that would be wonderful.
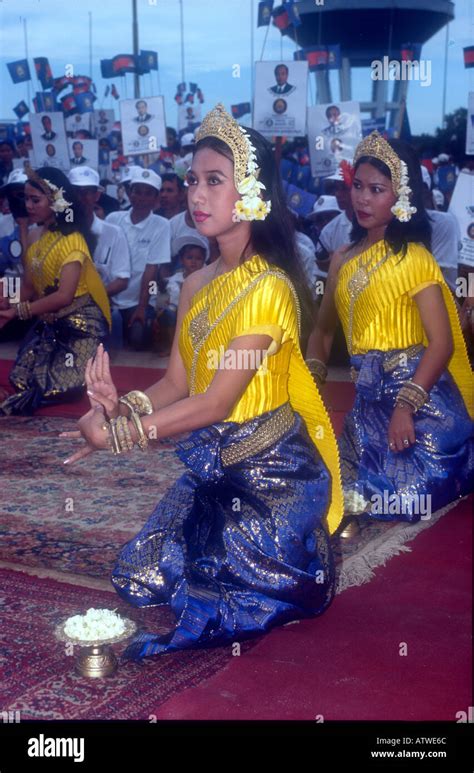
(100, 387)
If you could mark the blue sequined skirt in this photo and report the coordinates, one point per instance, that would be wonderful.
(236, 549)
(436, 470)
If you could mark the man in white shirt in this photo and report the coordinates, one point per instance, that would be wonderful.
(148, 237)
(335, 234)
(445, 234)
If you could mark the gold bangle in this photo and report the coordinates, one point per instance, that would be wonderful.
(318, 369)
(142, 441)
(128, 434)
(138, 401)
(115, 441)
(123, 432)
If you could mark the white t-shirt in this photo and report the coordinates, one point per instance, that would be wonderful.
(111, 255)
(445, 243)
(336, 233)
(174, 286)
(7, 225)
(180, 228)
(307, 254)
(149, 244)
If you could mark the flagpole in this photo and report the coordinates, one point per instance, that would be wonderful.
(264, 41)
(445, 77)
(135, 47)
(182, 40)
(252, 54)
(26, 57)
(90, 44)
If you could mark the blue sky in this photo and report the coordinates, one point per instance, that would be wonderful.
(217, 37)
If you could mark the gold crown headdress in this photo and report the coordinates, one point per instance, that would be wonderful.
(52, 191)
(376, 146)
(218, 123)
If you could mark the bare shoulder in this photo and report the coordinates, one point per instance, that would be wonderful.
(198, 279)
(339, 257)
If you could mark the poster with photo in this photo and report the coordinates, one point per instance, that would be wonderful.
(189, 116)
(143, 125)
(102, 123)
(334, 131)
(79, 122)
(470, 125)
(48, 136)
(83, 153)
(462, 207)
(280, 98)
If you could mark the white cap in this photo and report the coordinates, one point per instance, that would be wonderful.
(326, 204)
(337, 175)
(195, 241)
(126, 172)
(426, 176)
(438, 197)
(443, 157)
(83, 176)
(145, 176)
(435, 160)
(187, 139)
(16, 177)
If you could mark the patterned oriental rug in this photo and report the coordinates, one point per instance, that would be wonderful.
(61, 530)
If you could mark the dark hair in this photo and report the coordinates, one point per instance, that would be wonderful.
(79, 223)
(77, 142)
(331, 107)
(170, 177)
(278, 67)
(141, 102)
(418, 228)
(274, 237)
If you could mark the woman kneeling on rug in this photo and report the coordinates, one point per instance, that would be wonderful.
(61, 287)
(407, 447)
(240, 542)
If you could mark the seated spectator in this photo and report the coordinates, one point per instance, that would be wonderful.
(192, 255)
(172, 200)
(104, 205)
(148, 237)
(111, 254)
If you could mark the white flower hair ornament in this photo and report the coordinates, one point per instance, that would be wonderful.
(250, 206)
(59, 202)
(402, 208)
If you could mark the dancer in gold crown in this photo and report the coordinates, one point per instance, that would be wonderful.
(410, 433)
(240, 543)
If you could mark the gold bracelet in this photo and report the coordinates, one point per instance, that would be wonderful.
(128, 434)
(318, 369)
(142, 441)
(113, 434)
(137, 401)
(413, 394)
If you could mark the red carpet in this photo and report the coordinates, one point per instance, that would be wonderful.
(346, 665)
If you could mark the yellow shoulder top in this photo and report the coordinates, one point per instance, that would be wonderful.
(257, 298)
(386, 315)
(45, 258)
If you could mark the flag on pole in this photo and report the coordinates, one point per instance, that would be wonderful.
(60, 83)
(193, 88)
(69, 105)
(19, 71)
(114, 92)
(293, 14)
(299, 56)
(265, 9)
(106, 68)
(469, 56)
(241, 109)
(107, 91)
(44, 102)
(281, 20)
(21, 109)
(123, 63)
(323, 57)
(181, 88)
(410, 52)
(43, 72)
(85, 102)
(149, 59)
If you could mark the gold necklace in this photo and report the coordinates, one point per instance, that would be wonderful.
(199, 326)
(356, 285)
(37, 262)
